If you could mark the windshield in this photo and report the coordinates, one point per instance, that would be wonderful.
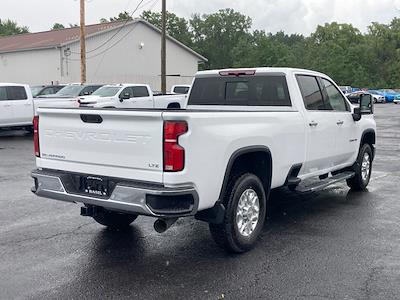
(70, 91)
(35, 90)
(107, 91)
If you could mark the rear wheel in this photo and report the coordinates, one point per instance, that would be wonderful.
(245, 204)
(363, 168)
(114, 220)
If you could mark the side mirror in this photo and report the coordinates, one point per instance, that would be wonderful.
(366, 104)
(366, 107)
(124, 96)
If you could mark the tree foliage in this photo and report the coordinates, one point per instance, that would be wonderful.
(225, 38)
(57, 26)
(123, 16)
(9, 27)
(176, 27)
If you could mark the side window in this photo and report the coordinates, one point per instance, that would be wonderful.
(140, 91)
(335, 99)
(3, 93)
(48, 91)
(127, 90)
(88, 90)
(16, 93)
(311, 92)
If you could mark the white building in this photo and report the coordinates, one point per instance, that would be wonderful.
(117, 52)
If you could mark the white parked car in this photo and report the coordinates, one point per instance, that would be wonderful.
(378, 96)
(355, 97)
(67, 96)
(131, 96)
(16, 105)
(243, 133)
(180, 89)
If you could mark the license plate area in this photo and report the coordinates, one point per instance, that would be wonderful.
(95, 186)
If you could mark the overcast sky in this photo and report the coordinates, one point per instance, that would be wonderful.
(292, 16)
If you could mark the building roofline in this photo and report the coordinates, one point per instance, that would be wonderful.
(123, 24)
(202, 58)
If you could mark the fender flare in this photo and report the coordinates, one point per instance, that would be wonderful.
(238, 153)
(365, 132)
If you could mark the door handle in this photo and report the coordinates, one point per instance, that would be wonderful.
(7, 105)
(313, 124)
(340, 122)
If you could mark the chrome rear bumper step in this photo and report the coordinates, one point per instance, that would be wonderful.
(126, 197)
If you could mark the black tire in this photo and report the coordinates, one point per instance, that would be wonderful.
(174, 105)
(227, 235)
(360, 182)
(114, 220)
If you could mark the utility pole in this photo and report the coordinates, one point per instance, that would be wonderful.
(83, 43)
(163, 49)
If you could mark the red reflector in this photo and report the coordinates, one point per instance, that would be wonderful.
(237, 72)
(36, 135)
(174, 154)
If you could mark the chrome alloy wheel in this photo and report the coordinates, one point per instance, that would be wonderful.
(247, 212)
(365, 167)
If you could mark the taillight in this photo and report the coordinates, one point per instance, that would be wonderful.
(174, 154)
(36, 135)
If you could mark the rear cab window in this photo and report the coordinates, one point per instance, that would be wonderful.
(181, 89)
(256, 90)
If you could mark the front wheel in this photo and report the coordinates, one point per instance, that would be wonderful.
(363, 168)
(114, 220)
(245, 203)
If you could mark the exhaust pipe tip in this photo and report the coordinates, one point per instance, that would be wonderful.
(162, 225)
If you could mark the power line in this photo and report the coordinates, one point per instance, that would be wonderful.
(118, 31)
(118, 41)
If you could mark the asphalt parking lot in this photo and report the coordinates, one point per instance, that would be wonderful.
(336, 244)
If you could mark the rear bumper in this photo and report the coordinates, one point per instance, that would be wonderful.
(127, 196)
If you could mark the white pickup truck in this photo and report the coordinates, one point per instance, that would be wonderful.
(131, 96)
(244, 133)
(16, 106)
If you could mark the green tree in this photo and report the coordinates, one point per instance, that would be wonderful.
(8, 27)
(335, 50)
(122, 16)
(216, 35)
(57, 26)
(176, 27)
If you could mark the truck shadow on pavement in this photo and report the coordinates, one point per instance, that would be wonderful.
(9, 134)
(142, 263)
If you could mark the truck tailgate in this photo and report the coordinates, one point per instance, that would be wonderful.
(111, 143)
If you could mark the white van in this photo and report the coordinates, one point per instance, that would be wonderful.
(16, 105)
